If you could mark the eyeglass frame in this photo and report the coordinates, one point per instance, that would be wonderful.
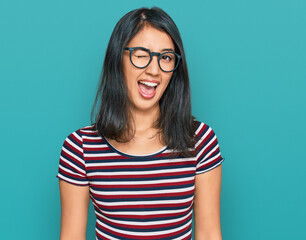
(151, 57)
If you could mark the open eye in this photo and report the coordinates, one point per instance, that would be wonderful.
(167, 57)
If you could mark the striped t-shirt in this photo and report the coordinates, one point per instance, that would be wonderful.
(138, 197)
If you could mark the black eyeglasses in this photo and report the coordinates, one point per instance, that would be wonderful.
(141, 58)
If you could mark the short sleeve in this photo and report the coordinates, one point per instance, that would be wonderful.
(207, 150)
(72, 165)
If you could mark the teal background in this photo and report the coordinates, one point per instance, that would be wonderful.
(247, 64)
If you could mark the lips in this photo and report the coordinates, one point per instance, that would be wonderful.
(147, 88)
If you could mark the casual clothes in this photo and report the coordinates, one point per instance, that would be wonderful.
(138, 197)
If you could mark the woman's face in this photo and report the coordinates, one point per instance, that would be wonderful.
(146, 86)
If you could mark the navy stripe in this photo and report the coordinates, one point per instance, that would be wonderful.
(141, 178)
(144, 199)
(132, 189)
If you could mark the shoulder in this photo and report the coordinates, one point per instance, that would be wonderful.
(80, 134)
(201, 129)
(206, 148)
(84, 131)
(204, 134)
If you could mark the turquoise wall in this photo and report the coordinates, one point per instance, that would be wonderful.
(247, 62)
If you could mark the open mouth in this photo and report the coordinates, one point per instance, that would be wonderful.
(147, 89)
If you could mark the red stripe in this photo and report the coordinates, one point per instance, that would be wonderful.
(99, 146)
(114, 186)
(144, 166)
(122, 235)
(148, 196)
(151, 175)
(210, 163)
(154, 227)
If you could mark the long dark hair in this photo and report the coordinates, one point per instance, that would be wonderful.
(175, 122)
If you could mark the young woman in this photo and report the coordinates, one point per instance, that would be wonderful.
(146, 163)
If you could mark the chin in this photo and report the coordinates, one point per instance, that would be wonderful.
(146, 105)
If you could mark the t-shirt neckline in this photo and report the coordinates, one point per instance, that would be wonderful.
(133, 155)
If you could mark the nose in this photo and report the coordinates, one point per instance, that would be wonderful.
(153, 67)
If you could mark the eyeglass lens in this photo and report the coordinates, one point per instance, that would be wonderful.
(141, 58)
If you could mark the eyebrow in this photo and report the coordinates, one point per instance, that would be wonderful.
(168, 49)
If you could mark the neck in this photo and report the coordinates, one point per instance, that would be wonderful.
(147, 138)
(144, 121)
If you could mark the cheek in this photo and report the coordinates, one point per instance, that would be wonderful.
(127, 74)
(130, 73)
(125, 68)
(167, 78)
(130, 78)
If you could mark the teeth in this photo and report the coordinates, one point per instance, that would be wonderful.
(150, 84)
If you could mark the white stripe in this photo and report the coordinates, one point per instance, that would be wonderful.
(208, 161)
(73, 155)
(71, 180)
(141, 223)
(105, 235)
(130, 163)
(185, 235)
(211, 151)
(203, 137)
(92, 137)
(141, 172)
(145, 202)
(74, 145)
(89, 130)
(199, 129)
(143, 212)
(130, 192)
(156, 233)
(142, 182)
(77, 136)
(112, 154)
(68, 170)
(95, 145)
(206, 146)
(72, 165)
(206, 170)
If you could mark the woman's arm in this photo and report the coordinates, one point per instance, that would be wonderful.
(207, 205)
(74, 202)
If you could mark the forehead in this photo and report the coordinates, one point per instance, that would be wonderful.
(152, 38)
